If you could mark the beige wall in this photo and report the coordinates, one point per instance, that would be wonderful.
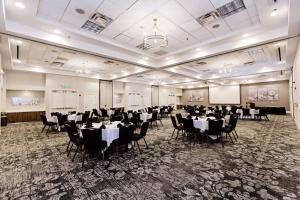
(283, 87)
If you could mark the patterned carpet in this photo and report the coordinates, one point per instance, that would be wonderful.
(263, 164)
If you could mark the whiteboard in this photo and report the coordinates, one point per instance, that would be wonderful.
(229, 94)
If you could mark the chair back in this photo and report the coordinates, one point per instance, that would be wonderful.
(154, 116)
(70, 131)
(125, 134)
(92, 139)
(62, 119)
(215, 127)
(179, 118)
(144, 129)
(174, 122)
(44, 119)
(246, 111)
(104, 113)
(188, 125)
(72, 124)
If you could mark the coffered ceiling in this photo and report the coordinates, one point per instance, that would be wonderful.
(53, 36)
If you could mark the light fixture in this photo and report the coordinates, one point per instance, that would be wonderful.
(56, 31)
(274, 12)
(167, 58)
(145, 58)
(245, 34)
(198, 49)
(156, 39)
(18, 61)
(20, 5)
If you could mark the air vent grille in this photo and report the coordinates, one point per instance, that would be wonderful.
(141, 46)
(160, 52)
(208, 18)
(57, 64)
(231, 8)
(97, 23)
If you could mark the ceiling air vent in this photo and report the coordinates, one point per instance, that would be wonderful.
(249, 63)
(141, 46)
(108, 62)
(57, 64)
(208, 18)
(97, 23)
(231, 8)
(160, 52)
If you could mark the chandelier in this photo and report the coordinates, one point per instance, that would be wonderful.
(155, 40)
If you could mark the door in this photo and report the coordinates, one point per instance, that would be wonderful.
(89, 102)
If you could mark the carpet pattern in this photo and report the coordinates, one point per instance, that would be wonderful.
(263, 164)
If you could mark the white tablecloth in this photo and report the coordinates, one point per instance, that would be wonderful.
(145, 116)
(202, 123)
(110, 112)
(252, 112)
(74, 117)
(109, 134)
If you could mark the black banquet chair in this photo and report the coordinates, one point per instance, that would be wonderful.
(92, 141)
(176, 127)
(214, 131)
(179, 118)
(230, 128)
(73, 139)
(46, 123)
(141, 135)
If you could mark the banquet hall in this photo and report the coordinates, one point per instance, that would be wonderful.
(150, 99)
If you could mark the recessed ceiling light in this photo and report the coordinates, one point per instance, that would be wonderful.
(145, 58)
(245, 34)
(18, 61)
(198, 49)
(216, 26)
(274, 12)
(80, 11)
(57, 31)
(20, 5)
(277, 45)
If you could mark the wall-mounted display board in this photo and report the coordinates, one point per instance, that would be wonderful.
(196, 96)
(263, 94)
(134, 99)
(226, 94)
(64, 100)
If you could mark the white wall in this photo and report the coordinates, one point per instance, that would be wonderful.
(119, 94)
(145, 92)
(296, 87)
(106, 95)
(84, 86)
(169, 96)
(22, 84)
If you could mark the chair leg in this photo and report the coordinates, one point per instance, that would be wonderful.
(229, 137)
(70, 149)
(237, 136)
(68, 145)
(145, 143)
(139, 147)
(48, 129)
(177, 134)
(161, 122)
(173, 132)
(43, 128)
(83, 157)
(75, 153)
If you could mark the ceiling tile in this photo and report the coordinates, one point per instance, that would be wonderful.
(237, 18)
(197, 8)
(191, 25)
(114, 8)
(221, 30)
(202, 34)
(123, 38)
(175, 12)
(219, 3)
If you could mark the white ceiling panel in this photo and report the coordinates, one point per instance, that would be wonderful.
(202, 34)
(237, 18)
(123, 38)
(197, 8)
(190, 26)
(221, 30)
(218, 3)
(52, 9)
(114, 8)
(174, 12)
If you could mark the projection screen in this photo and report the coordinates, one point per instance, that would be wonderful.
(229, 94)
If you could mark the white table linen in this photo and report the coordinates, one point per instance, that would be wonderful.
(109, 134)
(202, 123)
(145, 116)
(252, 112)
